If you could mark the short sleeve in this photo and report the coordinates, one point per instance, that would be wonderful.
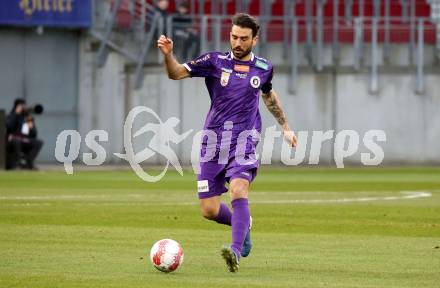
(267, 86)
(203, 66)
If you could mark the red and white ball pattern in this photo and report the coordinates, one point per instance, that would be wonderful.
(166, 255)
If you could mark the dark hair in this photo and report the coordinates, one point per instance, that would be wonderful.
(18, 101)
(246, 21)
(184, 4)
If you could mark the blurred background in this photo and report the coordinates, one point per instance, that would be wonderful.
(347, 64)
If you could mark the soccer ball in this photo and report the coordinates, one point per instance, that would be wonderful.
(166, 255)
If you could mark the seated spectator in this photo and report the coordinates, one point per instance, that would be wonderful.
(22, 144)
(184, 33)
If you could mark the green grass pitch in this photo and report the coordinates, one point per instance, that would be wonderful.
(317, 227)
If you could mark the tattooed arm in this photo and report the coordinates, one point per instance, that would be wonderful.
(273, 104)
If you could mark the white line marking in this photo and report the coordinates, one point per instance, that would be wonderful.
(28, 204)
(70, 197)
(403, 195)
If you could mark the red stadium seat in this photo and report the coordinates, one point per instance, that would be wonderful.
(400, 31)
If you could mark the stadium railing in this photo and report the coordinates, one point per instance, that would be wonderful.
(317, 24)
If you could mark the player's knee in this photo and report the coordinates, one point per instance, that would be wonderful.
(239, 190)
(209, 212)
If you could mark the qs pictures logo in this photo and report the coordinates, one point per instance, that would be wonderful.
(219, 147)
(163, 135)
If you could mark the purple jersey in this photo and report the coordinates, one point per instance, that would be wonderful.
(234, 87)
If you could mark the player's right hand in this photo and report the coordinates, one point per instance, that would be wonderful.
(290, 138)
(165, 45)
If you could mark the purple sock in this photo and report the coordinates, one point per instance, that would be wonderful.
(224, 215)
(240, 223)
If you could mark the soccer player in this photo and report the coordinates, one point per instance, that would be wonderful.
(234, 80)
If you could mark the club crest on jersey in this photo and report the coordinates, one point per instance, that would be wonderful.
(241, 68)
(255, 81)
(224, 79)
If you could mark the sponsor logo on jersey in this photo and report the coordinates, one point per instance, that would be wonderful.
(227, 70)
(224, 79)
(224, 57)
(255, 81)
(241, 75)
(205, 58)
(261, 65)
(241, 68)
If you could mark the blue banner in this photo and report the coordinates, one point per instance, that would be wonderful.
(55, 13)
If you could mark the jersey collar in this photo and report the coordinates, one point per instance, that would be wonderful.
(233, 58)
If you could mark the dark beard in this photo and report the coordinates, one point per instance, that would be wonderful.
(245, 53)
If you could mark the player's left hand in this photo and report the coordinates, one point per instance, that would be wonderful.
(290, 137)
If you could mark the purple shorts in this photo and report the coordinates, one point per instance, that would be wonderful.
(213, 175)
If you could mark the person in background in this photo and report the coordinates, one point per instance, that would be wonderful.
(162, 6)
(185, 34)
(23, 145)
